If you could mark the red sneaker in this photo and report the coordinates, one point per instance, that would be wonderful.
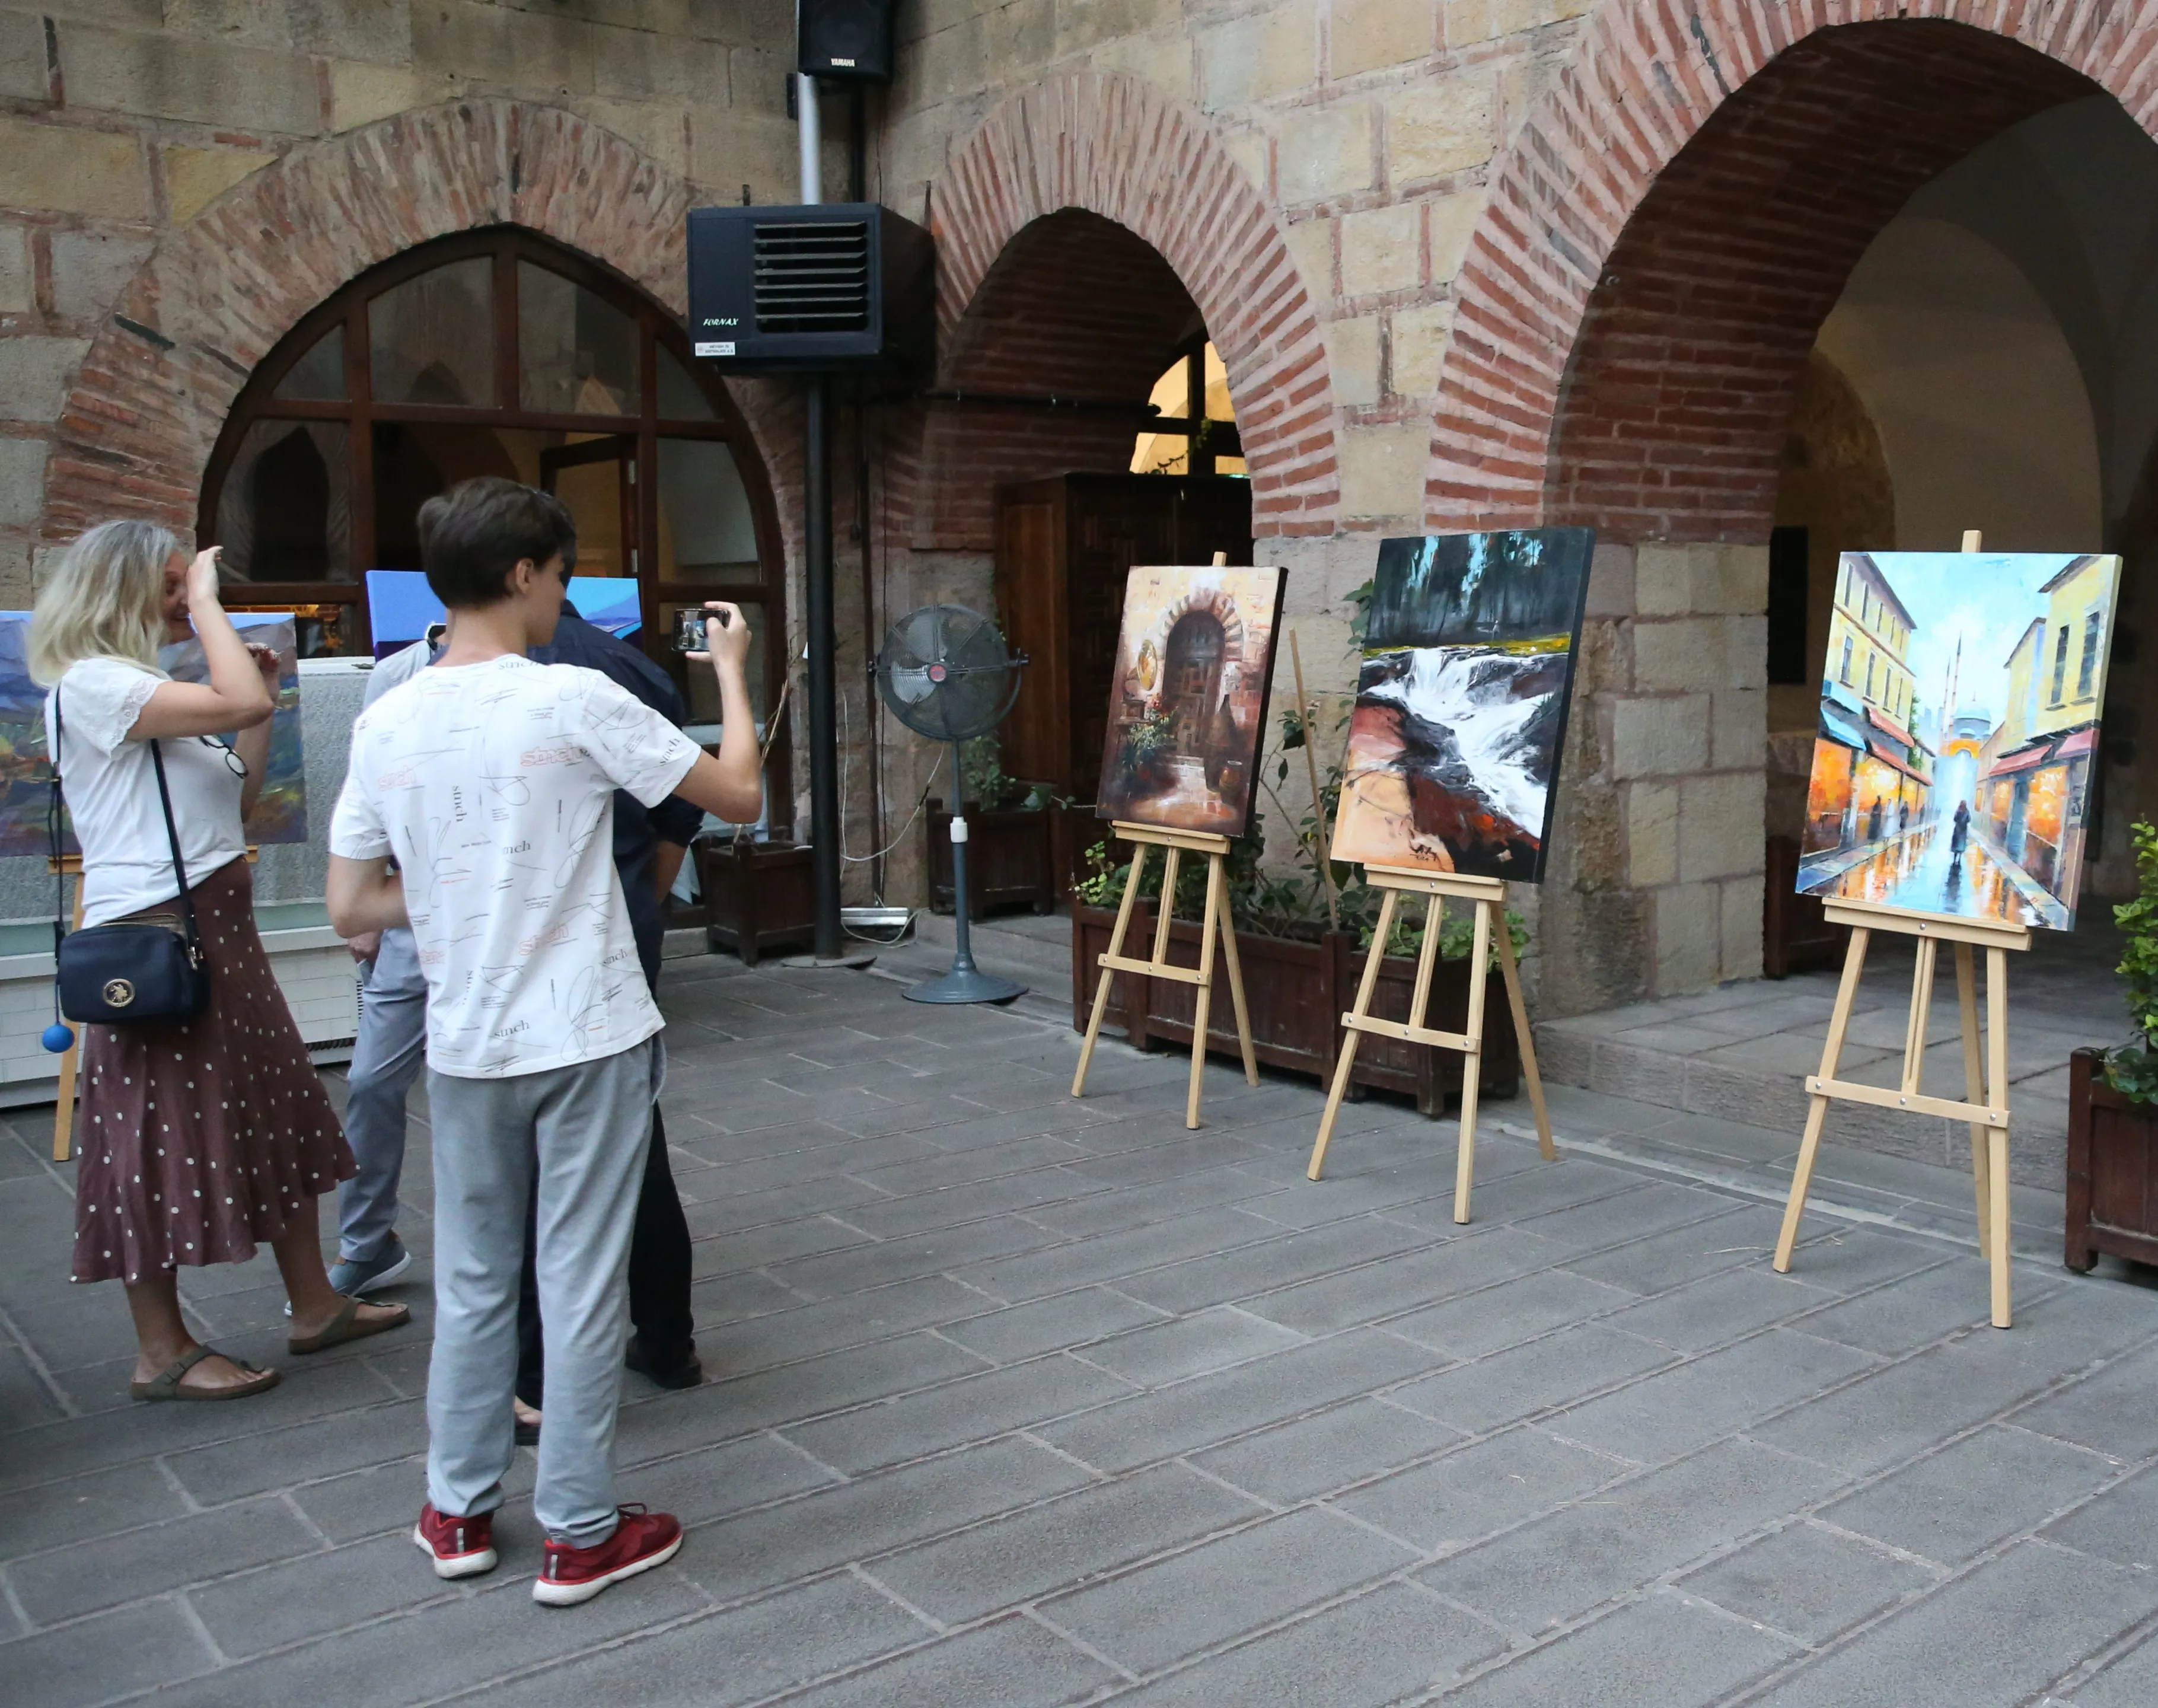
(463, 1547)
(642, 1540)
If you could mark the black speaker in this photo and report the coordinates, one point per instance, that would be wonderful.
(845, 39)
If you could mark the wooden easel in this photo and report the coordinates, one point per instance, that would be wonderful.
(1986, 1086)
(1177, 843)
(1489, 896)
(1986, 1109)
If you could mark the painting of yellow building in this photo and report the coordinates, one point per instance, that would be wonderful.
(1959, 718)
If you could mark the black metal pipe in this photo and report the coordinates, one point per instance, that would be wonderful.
(824, 674)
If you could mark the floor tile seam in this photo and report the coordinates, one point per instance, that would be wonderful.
(974, 1219)
(1598, 1316)
(1144, 1387)
(996, 1434)
(23, 1623)
(1526, 1226)
(165, 1450)
(2074, 1678)
(210, 1579)
(44, 1372)
(1241, 1299)
(1897, 1609)
(717, 1388)
(1035, 1616)
(1816, 1199)
(1065, 1243)
(771, 1432)
(1945, 1573)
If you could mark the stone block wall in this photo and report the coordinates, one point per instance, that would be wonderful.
(121, 120)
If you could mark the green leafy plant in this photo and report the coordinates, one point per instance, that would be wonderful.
(2132, 1069)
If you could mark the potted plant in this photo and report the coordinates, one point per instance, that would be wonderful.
(2113, 1099)
(758, 895)
(1010, 848)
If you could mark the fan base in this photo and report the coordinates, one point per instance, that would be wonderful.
(959, 987)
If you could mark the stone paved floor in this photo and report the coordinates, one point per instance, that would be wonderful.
(1024, 1401)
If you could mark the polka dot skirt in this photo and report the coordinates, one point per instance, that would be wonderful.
(199, 1138)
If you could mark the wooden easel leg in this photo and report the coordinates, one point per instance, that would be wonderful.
(64, 1112)
(1236, 992)
(1204, 991)
(1802, 1176)
(1346, 1064)
(1996, 1137)
(1472, 1059)
(1101, 987)
(1974, 1079)
(1526, 1039)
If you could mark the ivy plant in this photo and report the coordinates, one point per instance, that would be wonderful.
(2132, 1069)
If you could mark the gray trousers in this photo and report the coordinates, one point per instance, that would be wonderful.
(385, 1059)
(583, 1132)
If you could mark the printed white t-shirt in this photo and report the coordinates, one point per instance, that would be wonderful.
(112, 791)
(494, 786)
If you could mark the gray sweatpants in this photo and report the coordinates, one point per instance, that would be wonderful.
(386, 1060)
(584, 1129)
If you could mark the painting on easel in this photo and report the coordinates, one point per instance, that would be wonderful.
(1461, 702)
(1957, 738)
(1188, 704)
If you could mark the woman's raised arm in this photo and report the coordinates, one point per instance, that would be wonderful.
(235, 697)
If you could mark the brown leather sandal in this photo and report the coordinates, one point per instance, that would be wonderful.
(345, 1326)
(166, 1384)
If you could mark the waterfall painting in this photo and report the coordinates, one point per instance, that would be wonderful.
(1461, 702)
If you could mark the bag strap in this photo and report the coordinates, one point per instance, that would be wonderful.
(172, 835)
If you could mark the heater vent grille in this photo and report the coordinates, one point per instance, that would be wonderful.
(812, 277)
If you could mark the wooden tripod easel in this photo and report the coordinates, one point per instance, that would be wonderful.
(1986, 1109)
(1489, 896)
(1177, 843)
(1987, 1087)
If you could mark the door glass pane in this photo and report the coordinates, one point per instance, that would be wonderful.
(699, 690)
(1218, 407)
(319, 376)
(576, 353)
(1161, 453)
(416, 459)
(431, 339)
(593, 492)
(707, 532)
(681, 399)
(285, 513)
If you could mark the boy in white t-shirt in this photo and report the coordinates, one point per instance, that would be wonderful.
(491, 779)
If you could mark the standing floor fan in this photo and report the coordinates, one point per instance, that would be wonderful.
(945, 673)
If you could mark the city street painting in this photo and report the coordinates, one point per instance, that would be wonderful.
(1959, 732)
(26, 776)
(1461, 702)
(1188, 702)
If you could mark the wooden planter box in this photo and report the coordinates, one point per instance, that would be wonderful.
(1010, 858)
(1298, 990)
(2113, 1168)
(758, 895)
(1796, 934)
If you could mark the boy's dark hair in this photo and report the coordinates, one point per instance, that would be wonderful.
(474, 535)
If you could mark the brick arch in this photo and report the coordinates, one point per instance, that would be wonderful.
(140, 421)
(1680, 211)
(1118, 148)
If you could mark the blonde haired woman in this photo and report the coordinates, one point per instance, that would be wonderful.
(199, 1138)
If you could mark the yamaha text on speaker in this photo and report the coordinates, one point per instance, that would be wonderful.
(845, 38)
(837, 286)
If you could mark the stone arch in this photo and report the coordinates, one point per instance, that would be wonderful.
(1677, 213)
(143, 414)
(1208, 601)
(1118, 148)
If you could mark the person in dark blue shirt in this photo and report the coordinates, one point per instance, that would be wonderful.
(649, 844)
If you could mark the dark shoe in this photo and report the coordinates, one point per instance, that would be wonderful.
(349, 1325)
(682, 1370)
(463, 1547)
(642, 1540)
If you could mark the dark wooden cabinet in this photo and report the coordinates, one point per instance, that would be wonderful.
(1064, 547)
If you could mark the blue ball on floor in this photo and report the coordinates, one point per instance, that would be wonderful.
(57, 1039)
